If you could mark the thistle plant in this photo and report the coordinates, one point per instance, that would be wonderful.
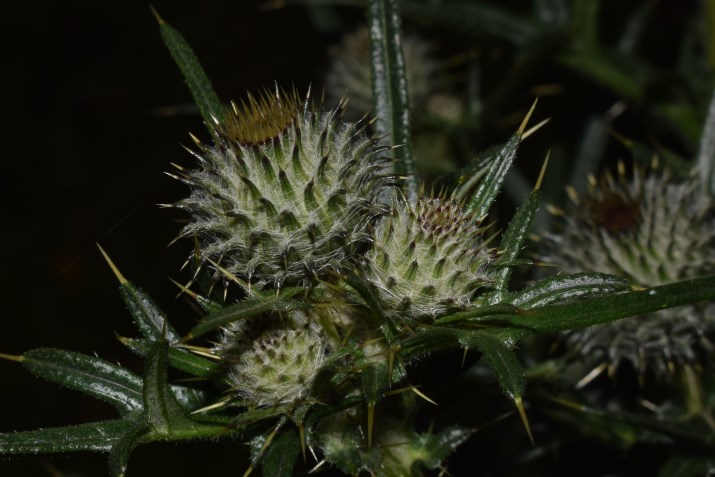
(350, 281)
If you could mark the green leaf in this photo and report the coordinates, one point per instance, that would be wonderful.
(177, 358)
(437, 447)
(188, 397)
(162, 409)
(245, 309)
(204, 95)
(483, 312)
(148, 318)
(87, 374)
(280, 456)
(341, 448)
(430, 340)
(93, 436)
(208, 305)
(502, 360)
(390, 87)
(490, 185)
(253, 416)
(513, 241)
(466, 178)
(566, 287)
(122, 449)
(375, 381)
(604, 309)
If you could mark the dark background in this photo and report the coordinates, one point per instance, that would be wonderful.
(94, 112)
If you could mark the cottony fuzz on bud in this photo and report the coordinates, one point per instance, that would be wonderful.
(276, 366)
(651, 230)
(286, 193)
(428, 257)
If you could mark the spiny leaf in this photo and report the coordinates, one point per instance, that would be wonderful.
(148, 318)
(566, 287)
(490, 185)
(253, 416)
(245, 309)
(122, 449)
(603, 309)
(513, 240)
(162, 409)
(260, 444)
(280, 456)
(437, 447)
(94, 436)
(484, 312)
(88, 374)
(147, 315)
(201, 89)
(390, 87)
(177, 358)
(501, 359)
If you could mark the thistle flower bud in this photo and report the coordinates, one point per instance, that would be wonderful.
(278, 367)
(428, 257)
(651, 230)
(286, 193)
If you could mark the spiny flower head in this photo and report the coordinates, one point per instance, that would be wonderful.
(652, 230)
(278, 366)
(286, 193)
(428, 256)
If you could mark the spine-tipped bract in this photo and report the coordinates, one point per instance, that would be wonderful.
(428, 257)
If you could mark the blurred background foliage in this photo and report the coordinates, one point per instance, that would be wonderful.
(95, 109)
